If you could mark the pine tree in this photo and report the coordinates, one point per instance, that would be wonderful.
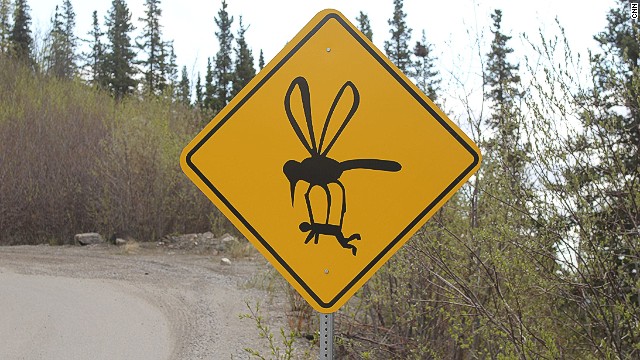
(244, 70)
(119, 54)
(223, 70)
(364, 25)
(426, 75)
(261, 60)
(397, 48)
(209, 96)
(20, 38)
(183, 93)
(5, 25)
(152, 45)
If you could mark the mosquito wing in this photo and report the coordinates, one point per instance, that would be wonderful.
(301, 83)
(354, 106)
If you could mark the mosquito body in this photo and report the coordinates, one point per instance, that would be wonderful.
(319, 169)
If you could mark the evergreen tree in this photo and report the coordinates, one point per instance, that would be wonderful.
(502, 81)
(425, 73)
(5, 25)
(95, 58)
(397, 48)
(61, 58)
(209, 96)
(364, 25)
(170, 70)
(607, 177)
(244, 70)
(119, 54)
(199, 101)
(152, 45)
(183, 93)
(20, 38)
(223, 70)
(261, 60)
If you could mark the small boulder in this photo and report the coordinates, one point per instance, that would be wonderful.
(227, 242)
(120, 242)
(88, 239)
(225, 261)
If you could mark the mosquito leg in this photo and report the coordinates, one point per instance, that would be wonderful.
(315, 241)
(326, 190)
(306, 197)
(344, 202)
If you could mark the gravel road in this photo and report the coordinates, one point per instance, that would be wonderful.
(102, 302)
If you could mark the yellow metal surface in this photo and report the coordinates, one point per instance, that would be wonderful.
(238, 160)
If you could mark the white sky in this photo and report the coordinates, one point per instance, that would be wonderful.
(449, 25)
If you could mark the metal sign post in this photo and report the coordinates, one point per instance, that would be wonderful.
(326, 336)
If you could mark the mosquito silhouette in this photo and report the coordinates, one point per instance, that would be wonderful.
(319, 169)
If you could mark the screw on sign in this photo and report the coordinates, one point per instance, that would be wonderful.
(378, 159)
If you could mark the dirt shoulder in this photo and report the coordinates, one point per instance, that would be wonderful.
(200, 298)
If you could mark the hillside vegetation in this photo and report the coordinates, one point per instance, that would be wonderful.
(73, 159)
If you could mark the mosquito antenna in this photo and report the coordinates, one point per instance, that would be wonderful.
(354, 107)
(301, 82)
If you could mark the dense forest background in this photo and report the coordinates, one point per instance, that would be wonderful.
(537, 257)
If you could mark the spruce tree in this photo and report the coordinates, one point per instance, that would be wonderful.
(261, 60)
(608, 176)
(183, 92)
(506, 149)
(502, 82)
(199, 100)
(170, 70)
(61, 58)
(223, 69)
(364, 25)
(397, 48)
(119, 56)
(244, 70)
(20, 38)
(426, 75)
(209, 96)
(5, 25)
(151, 43)
(95, 58)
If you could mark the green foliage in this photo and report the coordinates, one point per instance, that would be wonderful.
(244, 70)
(424, 72)
(95, 59)
(364, 25)
(183, 90)
(286, 352)
(153, 45)
(397, 48)
(209, 96)
(119, 54)
(223, 67)
(261, 60)
(60, 56)
(5, 26)
(20, 38)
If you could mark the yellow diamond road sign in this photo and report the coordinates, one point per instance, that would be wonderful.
(329, 160)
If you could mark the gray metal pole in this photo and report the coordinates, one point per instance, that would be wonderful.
(326, 336)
